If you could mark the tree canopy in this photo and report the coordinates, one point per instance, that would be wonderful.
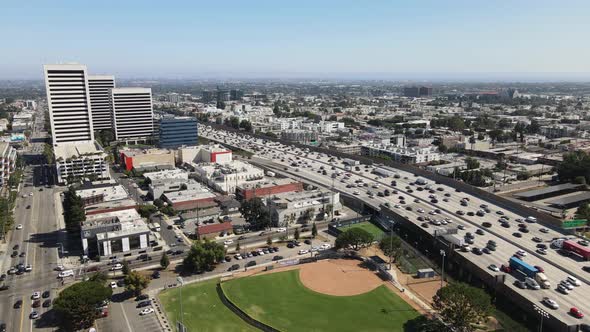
(391, 246)
(462, 306)
(354, 237)
(203, 256)
(255, 213)
(76, 305)
(74, 212)
(574, 164)
(135, 282)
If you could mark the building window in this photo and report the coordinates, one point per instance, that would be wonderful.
(134, 242)
(116, 245)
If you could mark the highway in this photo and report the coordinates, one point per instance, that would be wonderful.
(307, 166)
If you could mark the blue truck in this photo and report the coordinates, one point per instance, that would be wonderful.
(530, 271)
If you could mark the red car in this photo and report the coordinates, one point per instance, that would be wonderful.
(540, 269)
(576, 312)
(505, 268)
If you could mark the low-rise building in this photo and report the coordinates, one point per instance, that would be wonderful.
(212, 230)
(402, 155)
(191, 155)
(147, 159)
(303, 206)
(300, 136)
(226, 177)
(115, 233)
(267, 186)
(80, 160)
(4, 124)
(7, 162)
(346, 148)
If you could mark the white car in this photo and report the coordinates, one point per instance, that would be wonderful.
(19, 226)
(113, 284)
(146, 311)
(228, 242)
(281, 229)
(30, 194)
(494, 268)
(550, 303)
(117, 267)
(521, 253)
(303, 251)
(542, 251)
(36, 295)
(326, 246)
(544, 230)
(573, 280)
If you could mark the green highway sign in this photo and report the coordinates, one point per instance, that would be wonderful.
(574, 223)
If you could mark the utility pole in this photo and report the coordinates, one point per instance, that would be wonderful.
(442, 278)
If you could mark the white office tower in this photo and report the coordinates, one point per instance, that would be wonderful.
(99, 86)
(77, 156)
(69, 104)
(132, 114)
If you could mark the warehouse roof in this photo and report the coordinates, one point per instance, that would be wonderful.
(548, 190)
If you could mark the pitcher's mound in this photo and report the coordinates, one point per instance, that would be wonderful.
(339, 277)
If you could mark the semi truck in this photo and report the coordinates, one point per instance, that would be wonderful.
(455, 239)
(576, 248)
(530, 271)
(351, 162)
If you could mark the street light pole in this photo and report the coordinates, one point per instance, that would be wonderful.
(181, 281)
(542, 313)
(442, 278)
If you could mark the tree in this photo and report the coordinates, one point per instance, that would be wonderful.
(391, 246)
(74, 212)
(472, 141)
(146, 210)
(246, 125)
(462, 306)
(574, 164)
(220, 105)
(159, 203)
(76, 305)
(255, 213)
(164, 261)
(269, 241)
(296, 234)
(168, 210)
(472, 163)
(307, 215)
(314, 231)
(238, 248)
(203, 255)
(125, 268)
(583, 211)
(135, 282)
(354, 237)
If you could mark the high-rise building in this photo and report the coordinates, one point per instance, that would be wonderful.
(415, 91)
(132, 113)
(99, 100)
(70, 114)
(222, 95)
(174, 97)
(68, 101)
(425, 91)
(178, 131)
(236, 94)
(208, 96)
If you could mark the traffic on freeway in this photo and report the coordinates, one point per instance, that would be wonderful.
(436, 207)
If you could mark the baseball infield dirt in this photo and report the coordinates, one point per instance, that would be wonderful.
(341, 277)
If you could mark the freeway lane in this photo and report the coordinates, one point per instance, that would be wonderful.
(508, 245)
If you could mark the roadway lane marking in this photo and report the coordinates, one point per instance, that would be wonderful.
(22, 313)
(125, 316)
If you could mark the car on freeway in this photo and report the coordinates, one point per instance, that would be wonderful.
(117, 267)
(521, 253)
(36, 295)
(494, 268)
(520, 284)
(550, 303)
(566, 284)
(576, 312)
(487, 250)
(573, 280)
(146, 311)
(542, 251)
(517, 234)
(544, 230)
(562, 289)
(537, 239)
(461, 227)
(19, 226)
(476, 251)
(18, 304)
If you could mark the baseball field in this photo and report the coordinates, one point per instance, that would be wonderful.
(329, 295)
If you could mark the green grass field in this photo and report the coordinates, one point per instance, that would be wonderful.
(283, 302)
(203, 310)
(369, 227)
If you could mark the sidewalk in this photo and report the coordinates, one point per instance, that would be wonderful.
(60, 225)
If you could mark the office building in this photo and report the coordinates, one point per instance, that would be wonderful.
(416, 92)
(70, 113)
(178, 131)
(236, 94)
(7, 162)
(68, 102)
(303, 207)
(99, 100)
(228, 176)
(132, 113)
(223, 95)
(208, 96)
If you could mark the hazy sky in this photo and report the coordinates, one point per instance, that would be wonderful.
(420, 39)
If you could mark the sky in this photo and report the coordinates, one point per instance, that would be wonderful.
(398, 40)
